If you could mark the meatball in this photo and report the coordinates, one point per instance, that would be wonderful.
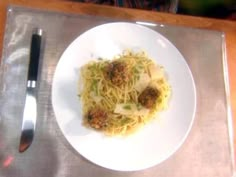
(149, 97)
(117, 73)
(97, 118)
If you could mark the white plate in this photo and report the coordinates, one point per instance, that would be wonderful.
(159, 139)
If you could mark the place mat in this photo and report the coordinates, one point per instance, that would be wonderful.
(207, 151)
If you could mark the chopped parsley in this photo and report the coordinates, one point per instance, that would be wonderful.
(127, 107)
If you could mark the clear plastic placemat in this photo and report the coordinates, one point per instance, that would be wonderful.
(207, 152)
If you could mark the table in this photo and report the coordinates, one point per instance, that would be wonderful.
(229, 27)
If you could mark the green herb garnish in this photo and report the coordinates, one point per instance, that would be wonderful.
(139, 106)
(94, 86)
(127, 107)
(125, 121)
(135, 70)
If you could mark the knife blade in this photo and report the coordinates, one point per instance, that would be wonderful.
(30, 107)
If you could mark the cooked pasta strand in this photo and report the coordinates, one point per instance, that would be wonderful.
(111, 84)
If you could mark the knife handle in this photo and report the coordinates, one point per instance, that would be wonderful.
(34, 55)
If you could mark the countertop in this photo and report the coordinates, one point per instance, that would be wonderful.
(228, 27)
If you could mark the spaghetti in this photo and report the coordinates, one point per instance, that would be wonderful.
(120, 95)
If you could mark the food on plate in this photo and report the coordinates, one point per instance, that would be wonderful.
(120, 95)
(117, 72)
(148, 97)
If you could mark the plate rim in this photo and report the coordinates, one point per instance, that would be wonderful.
(183, 139)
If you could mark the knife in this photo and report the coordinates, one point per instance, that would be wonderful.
(30, 107)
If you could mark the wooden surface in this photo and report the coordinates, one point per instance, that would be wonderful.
(229, 27)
